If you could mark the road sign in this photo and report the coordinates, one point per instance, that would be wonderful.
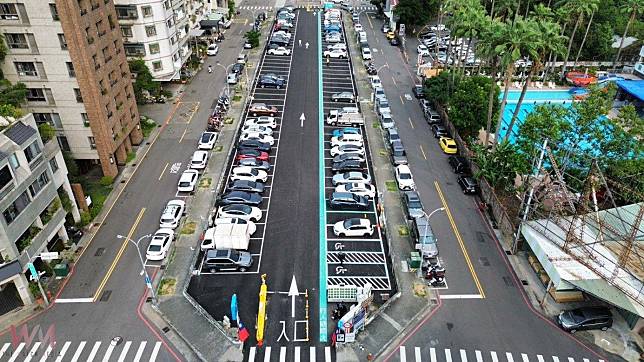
(401, 30)
(33, 271)
(49, 256)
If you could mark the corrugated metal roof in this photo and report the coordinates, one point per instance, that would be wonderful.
(19, 132)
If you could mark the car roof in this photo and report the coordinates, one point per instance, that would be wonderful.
(412, 195)
(403, 168)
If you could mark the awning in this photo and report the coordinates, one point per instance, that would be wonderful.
(196, 32)
(632, 87)
(208, 24)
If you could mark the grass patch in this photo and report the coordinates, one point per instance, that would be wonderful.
(383, 152)
(189, 228)
(376, 125)
(403, 230)
(130, 156)
(205, 182)
(97, 192)
(237, 98)
(391, 185)
(167, 286)
(218, 148)
(228, 120)
(147, 125)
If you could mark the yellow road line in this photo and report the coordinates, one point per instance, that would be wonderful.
(394, 80)
(183, 135)
(164, 168)
(403, 103)
(194, 111)
(460, 240)
(118, 255)
(410, 122)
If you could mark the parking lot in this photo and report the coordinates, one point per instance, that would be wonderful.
(351, 260)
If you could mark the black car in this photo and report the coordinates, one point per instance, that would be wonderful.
(418, 91)
(225, 259)
(413, 205)
(348, 201)
(238, 68)
(270, 82)
(439, 131)
(246, 185)
(348, 156)
(394, 41)
(468, 185)
(585, 318)
(278, 40)
(348, 165)
(240, 197)
(254, 145)
(255, 163)
(459, 165)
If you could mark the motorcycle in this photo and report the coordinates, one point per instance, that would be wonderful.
(435, 276)
(372, 71)
(74, 233)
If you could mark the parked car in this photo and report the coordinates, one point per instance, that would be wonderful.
(335, 53)
(232, 78)
(268, 82)
(379, 93)
(248, 174)
(404, 178)
(348, 201)
(339, 150)
(345, 130)
(199, 160)
(257, 136)
(261, 121)
(375, 81)
(413, 205)
(346, 166)
(333, 38)
(254, 145)
(188, 181)
(243, 153)
(279, 51)
(349, 156)
(358, 188)
(254, 163)
(337, 46)
(585, 318)
(246, 185)
(257, 129)
(353, 227)
(358, 27)
(398, 153)
(439, 131)
(237, 68)
(383, 106)
(393, 136)
(468, 184)
(387, 122)
(240, 197)
(349, 177)
(159, 244)
(261, 109)
(172, 214)
(207, 140)
(390, 35)
(459, 165)
(448, 145)
(215, 260)
(418, 91)
(422, 50)
(366, 53)
(242, 211)
(346, 97)
(394, 41)
(212, 49)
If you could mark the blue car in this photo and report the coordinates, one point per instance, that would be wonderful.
(332, 27)
(346, 130)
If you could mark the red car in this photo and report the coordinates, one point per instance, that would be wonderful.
(250, 153)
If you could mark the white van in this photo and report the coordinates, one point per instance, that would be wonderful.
(227, 236)
(362, 37)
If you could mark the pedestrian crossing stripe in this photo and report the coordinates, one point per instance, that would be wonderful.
(255, 8)
(65, 352)
(285, 354)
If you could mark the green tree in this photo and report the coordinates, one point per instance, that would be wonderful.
(46, 131)
(633, 8)
(578, 8)
(253, 38)
(380, 4)
(630, 177)
(593, 5)
(486, 49)
(436, 88)
(231, 8)
(545, 121)
(469, 102)
(7, 110)
(500, 166)
(144, 80)
(415, 12)
(598, 45)
(13, 94)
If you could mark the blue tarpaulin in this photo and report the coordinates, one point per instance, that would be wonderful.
(632, 87)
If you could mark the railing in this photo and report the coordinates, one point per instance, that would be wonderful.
(40, 240)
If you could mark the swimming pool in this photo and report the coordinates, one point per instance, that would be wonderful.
(530, 101)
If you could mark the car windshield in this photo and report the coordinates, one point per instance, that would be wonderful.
(351, 222)
(206, 137)
(399, 153)
(184, 183)
(451, 145)
(154, 248)
(235, 256)
(405, 176)
(577, 316)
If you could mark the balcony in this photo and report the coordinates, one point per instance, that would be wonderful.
(39, 241)
(9, 268)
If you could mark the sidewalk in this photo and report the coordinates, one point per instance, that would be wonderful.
(413, 300)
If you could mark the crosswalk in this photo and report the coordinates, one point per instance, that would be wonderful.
(420, 354)
(255, 8)
(82, 351)
(283, 354)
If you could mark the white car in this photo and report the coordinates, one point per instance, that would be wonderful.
(422, 50)
(279, 51)
(335, 53)
(160, 244)
(213, 49)
(358, 27)
(236, 220)
(261, 121)
(379, 93)
(358, 188)
(404, 178)
(353, 227)
(347, 139)
(366, 53)
(333, 38)
(375, 81)
(340, 46)
(386, 121)
(241, 211)
(283, 34)
(259, 129)
(172, 214)
(188, 181)
(199, 160)
(286, 22)
(232, 78)
(350, 177)
(207, 140)
(257, 137)
(341, 150)
(248, 174)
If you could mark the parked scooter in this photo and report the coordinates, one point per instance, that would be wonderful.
(435, 275)
(74, 233)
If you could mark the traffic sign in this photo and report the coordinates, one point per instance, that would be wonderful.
(49, 256)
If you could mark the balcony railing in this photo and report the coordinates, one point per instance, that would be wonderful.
(40, 240)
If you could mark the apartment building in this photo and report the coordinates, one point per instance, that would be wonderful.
(33, 183)
(70, 55)
(158, 32)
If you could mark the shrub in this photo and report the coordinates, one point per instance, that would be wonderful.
(107, 181)
(85, 218)
(47, 132)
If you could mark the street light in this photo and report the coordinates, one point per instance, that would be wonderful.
(226, 75)
(148, 281)
(429, 216)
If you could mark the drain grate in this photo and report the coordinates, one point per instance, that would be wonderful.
(484, 261)
(148, 143)
(122, 181)
(508, 252)
(97, 224)
(134, 164)
(106, 296)
(165, 329)
(524, 282)
(507, 281)
(99, 252)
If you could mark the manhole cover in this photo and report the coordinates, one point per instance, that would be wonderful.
(484, 261)
(524, 282)
(99, 252)
(508, 252)
(106, 296)
(165, 329)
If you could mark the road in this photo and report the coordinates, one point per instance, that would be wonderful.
(494, 315)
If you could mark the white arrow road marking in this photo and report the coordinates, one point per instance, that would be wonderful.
(293, 292)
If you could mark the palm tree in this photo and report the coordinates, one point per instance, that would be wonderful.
(474, 17)
(594, 5)
(581, 8)
(634, 7)
(546, 39)
(491, 30)
(562, 15)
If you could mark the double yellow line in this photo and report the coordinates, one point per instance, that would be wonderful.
(118, 256)
(460, 240)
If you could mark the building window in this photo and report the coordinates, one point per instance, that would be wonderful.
(85, 119)
(39, 184)
(172, 41)
(169, 23)
(147, 11)
(62, 41)
(166, 4)
(16, 41)
(36, 95)
(126, 12)
(79, 96)
(53, 119)
(32, 151)
(134, 50)
(150, 30)
(63, 143)
(126, 31)
(97, 65)
(157, 66)
(27, 69)
(12, 212)
(92, 142)
(13, 160)
(106, 54)
(5, 177)
(54, 165)
(70, 69)
(8, 12)
(154, 48)
(99, 28)
(110, 21)
(54, 12)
